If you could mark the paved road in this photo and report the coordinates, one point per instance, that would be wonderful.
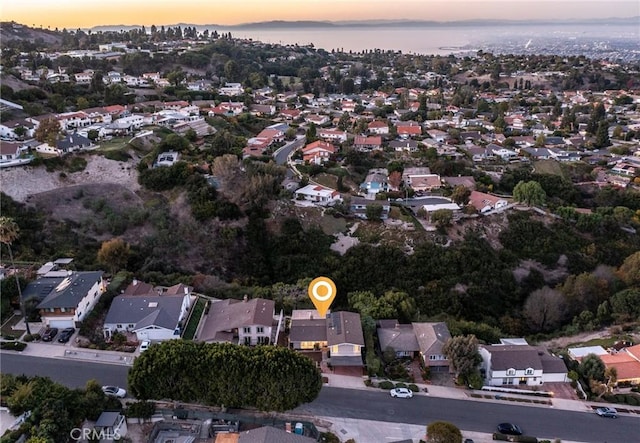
(474, 416)
(281, 154)
(379, 406)
(71, 373)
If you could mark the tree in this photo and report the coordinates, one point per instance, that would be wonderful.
(374, 212)
(114, 254)
(629, 271)
(461, 195)
(311, 134)
(48, 131)
(544, 309)
(394, 179)
(270, 378)
(82, 103)
(462, 353)
(9, 232)
(529, 193)
(592, 368)
(442, 217)
(602, 135)
(443, 432)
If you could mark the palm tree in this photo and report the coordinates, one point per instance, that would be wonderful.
(9, 232)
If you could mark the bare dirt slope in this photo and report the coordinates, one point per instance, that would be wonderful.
(22, 182)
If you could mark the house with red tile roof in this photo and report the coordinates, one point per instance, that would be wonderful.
(318, 152)
(378, 127)
(409, 129)
(486, 202)
(367, 143)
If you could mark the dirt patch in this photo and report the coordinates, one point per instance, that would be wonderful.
(22, 182)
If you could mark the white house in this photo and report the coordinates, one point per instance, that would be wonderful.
(70, 297)
(520, 364)
(231, 89)
(345, 339)
(151, 315)
(317, 194)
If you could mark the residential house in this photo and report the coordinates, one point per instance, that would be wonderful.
(437, 135)
(401, 338)
(504, 153)
(317, 119)
(345, 339)
(625, 360)
(378, 127)
(73, 120)
(262, 110)
(9, 151)
(307, 330)
(25, 128)
(408, 129)
(625, 168)
(332, 134)
(66, 297)
(431, 339)
(358, 207)
(508, 364)
(407, 145)
(73, 142)
(479, 153)
(290, 114)
(231, 89)
(376, 181)
(318, 194)
(269, 434)
(84, 77)
(486, 202)
(318, 152)
(367, 144)
(249, 322)
(421, 179)
(111, 426)
(150, 313)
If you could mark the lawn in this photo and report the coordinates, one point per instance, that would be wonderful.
(328, 180)
(550, 167)
(114, 144)
(313, 217)
(605, 342)
(7, 330)
(194, 319)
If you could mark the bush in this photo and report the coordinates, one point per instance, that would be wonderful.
(501, 437)
(386, 385)
(13, 346)
(368, 383)
(141, 409)
(401, 385)
(328, 437)
(525, 439)
(413, 388)
(28, 338)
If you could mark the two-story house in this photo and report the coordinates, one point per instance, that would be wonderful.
(515, 362)
(345, 339)
(248, 322)
(66, 297)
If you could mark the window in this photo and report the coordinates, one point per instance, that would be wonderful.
(511, 371)
(247, 340)
(119, 326)
(247, 330)
(528, 371)
(63, 309)
(131, 326)
(260, 329)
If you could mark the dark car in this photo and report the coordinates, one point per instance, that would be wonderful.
(66, 334)
(49, 334)
(509, 429)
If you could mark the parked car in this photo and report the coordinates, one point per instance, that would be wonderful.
(607, 412)
(114, 391)
(509, 429)
(401, 393)
(144, 345)
(49, 334)
(66, 334)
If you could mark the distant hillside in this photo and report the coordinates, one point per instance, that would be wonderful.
(282, 24)
(15, 31)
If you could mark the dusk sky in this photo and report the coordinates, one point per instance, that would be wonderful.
(74, 14)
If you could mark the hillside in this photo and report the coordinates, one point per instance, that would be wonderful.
(15, 31)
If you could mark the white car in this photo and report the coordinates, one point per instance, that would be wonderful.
(114, 391)
(607, 412)
(145, 345)
(401, 393)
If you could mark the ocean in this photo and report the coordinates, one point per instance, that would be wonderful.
(621, 40)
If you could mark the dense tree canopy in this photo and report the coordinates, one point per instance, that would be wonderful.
(265, 377)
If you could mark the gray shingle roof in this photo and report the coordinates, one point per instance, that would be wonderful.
(143, 311)
(230, 314)
(431, 337)
(521, 357)
(344, 327)
(308, 330)
(399, 338)
(268, 434)
(72, 289)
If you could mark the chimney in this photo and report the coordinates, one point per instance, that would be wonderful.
(186, 290)
(245, 298)
(135, 281)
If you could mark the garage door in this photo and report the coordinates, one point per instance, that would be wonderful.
(61, 324)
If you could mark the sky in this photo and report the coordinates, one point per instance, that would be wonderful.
(84, 14)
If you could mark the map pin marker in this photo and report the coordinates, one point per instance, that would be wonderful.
(322, 291)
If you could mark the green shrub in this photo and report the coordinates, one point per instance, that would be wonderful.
(8, 337)
(328, 437)
(117, 155)
(77, 164)
(368, 383)
(525, 439)
(13, 346)
(28, 338)
(413, 387)
(401, 385)
(386, 385)
(501, 437)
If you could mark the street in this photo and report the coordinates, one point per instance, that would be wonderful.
(280, 156)
(379, 406)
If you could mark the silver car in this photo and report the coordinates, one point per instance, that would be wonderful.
(401, 393)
